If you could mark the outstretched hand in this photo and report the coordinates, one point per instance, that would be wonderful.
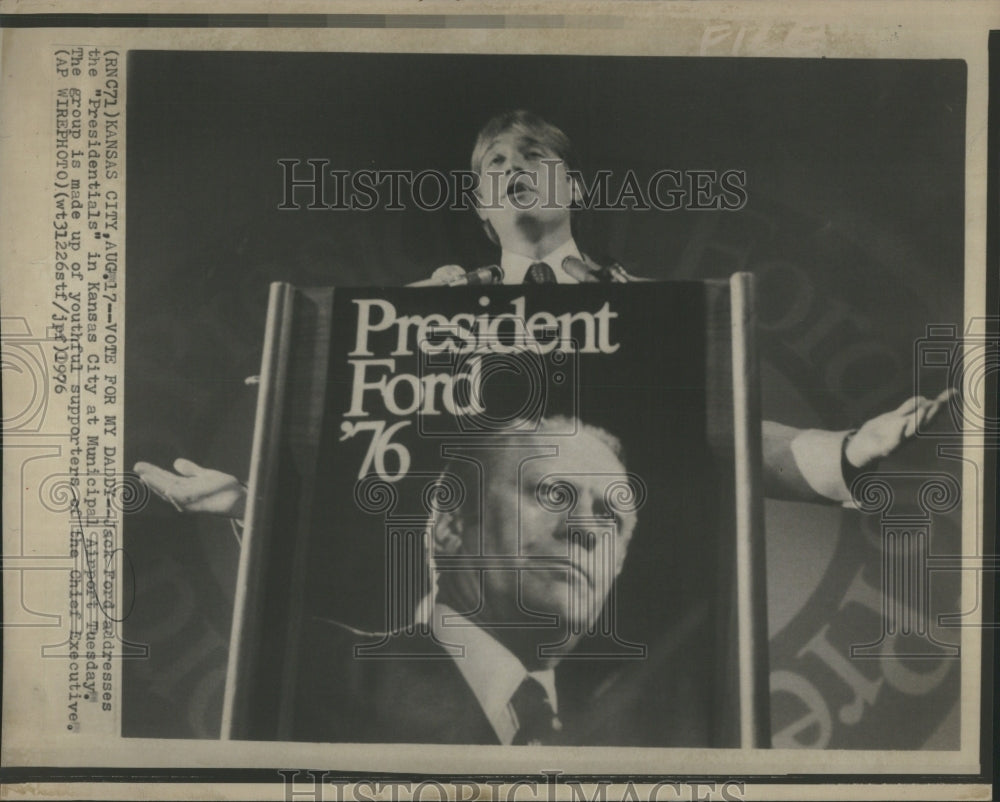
(883, 434)
(195, 489)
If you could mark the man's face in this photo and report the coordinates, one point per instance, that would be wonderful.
(552, 513)
(521, 179)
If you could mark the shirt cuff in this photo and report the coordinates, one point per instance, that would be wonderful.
(819, 457)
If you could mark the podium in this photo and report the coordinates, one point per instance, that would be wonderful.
(368, 395)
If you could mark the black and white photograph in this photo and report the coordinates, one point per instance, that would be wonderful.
(836, 186)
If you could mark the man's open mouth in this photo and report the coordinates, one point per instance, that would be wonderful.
(520, 185)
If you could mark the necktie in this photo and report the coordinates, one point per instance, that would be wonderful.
(540, 273)
(536, 721)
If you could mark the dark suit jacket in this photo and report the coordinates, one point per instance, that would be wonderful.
(665, 699)
(419, 697)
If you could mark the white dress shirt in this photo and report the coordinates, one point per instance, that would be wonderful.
(515, 266)
(490, 670)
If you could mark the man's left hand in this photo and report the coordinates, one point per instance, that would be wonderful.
(883, 434)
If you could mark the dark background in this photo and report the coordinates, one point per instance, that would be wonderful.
(853, 227)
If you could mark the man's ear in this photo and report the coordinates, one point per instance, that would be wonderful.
(448, 530)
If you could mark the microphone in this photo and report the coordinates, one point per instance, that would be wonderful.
(617, 274)
(579, 270)
(588, 271)
(448, 277)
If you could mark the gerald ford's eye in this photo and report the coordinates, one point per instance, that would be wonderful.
(557, 494)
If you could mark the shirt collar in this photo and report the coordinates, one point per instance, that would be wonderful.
(490, 669)
(515, 265)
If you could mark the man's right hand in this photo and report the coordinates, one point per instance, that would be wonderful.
(196, 489)
(448, 273)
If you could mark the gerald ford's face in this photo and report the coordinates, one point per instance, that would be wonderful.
(553, 514)
(521, 178)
